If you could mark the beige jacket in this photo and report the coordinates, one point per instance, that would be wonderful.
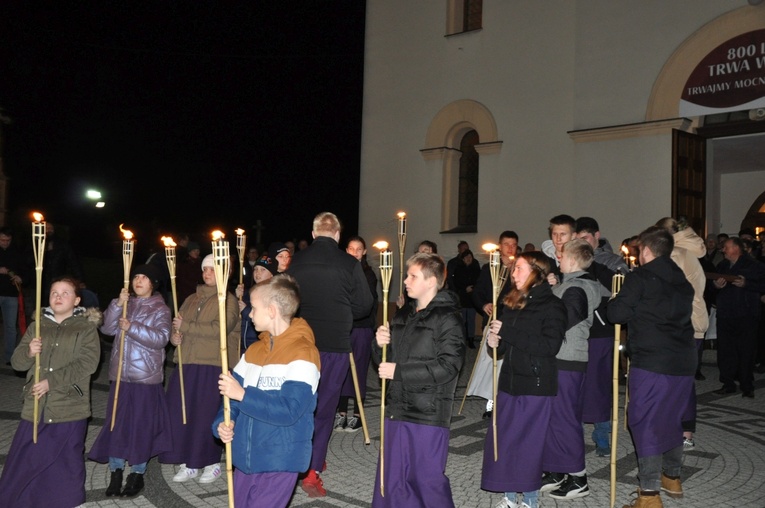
(689, 247)
(201, 328)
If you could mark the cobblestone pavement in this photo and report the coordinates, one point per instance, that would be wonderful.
(726, 469)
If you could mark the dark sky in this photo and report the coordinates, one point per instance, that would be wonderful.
(186, 115)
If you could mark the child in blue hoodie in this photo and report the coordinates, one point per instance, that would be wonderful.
(273, 397)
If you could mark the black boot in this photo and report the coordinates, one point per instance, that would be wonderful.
(115, 484)
(133, 485)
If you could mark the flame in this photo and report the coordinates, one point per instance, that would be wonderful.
(218, 235)
(490, 247)
(37, 216)
(382, 245)
(168, 241)
(239, 232)
(401, 215)
(625, 249)
(127, 234)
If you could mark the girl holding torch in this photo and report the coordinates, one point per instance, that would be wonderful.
(528, 333)
(52, 472)
(197, 327)
(142, 425)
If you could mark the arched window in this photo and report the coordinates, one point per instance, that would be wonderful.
(457, 135)
(468, 187)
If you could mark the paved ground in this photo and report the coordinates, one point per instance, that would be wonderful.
(727, 468)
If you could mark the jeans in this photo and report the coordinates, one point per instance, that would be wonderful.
(9, 306)
(116, 463)
(601, 435)
(651, 467)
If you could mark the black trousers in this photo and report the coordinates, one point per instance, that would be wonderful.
(736, 346)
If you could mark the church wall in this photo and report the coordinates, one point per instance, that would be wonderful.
(542, 69)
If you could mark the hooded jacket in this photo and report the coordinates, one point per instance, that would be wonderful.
(428, 348)
(581, 295)
(274, 420)
(70, 354)
(689, 247)
(656, 302)
(145, 340)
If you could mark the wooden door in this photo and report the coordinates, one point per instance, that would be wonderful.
(689, 179)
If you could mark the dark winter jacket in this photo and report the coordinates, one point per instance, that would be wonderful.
(530, 339)
(428, 348)
(370, 319)
(333, 292)
(143, 360)
(656, 302)
(736, 302)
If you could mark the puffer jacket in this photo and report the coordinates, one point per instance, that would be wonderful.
(201, 328)
(530, 339)
(144, 357)
(70, 354)
(428, 348)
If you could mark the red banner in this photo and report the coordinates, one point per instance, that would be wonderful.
(730, 78)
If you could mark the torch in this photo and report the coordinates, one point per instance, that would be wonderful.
(401, 247)
(38, 245)
(616, 286)
(221, 260)
(241, 240)
(495, 265)
(127, 260)
(170, 257)
(386, 270)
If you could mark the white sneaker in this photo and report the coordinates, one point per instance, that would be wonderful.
(185, 474)
(210, 474)
(506, 503)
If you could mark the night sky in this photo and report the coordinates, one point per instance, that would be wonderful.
(187, 116)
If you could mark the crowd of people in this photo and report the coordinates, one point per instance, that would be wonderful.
(304, 314)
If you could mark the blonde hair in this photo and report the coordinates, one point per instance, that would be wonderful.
(326, 224)
(580, 251)
(282, 291)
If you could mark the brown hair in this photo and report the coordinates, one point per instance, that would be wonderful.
(540, 267)
(431, 265)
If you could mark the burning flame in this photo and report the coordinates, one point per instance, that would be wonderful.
(127, 234)
(382, 245)
(37, 216)
(168, 241)
(401, 215)
(490, 247)
(217, 235)
(239, 232)
(625, 250)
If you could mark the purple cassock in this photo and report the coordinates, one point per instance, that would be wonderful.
(564, 444)
(415, 465)
(656, 407)
(522, 423)
(49, 473)
(334, 368)
(598, 381)
(361, 343)
(142, 428)
(263, 489)
(194, 443)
